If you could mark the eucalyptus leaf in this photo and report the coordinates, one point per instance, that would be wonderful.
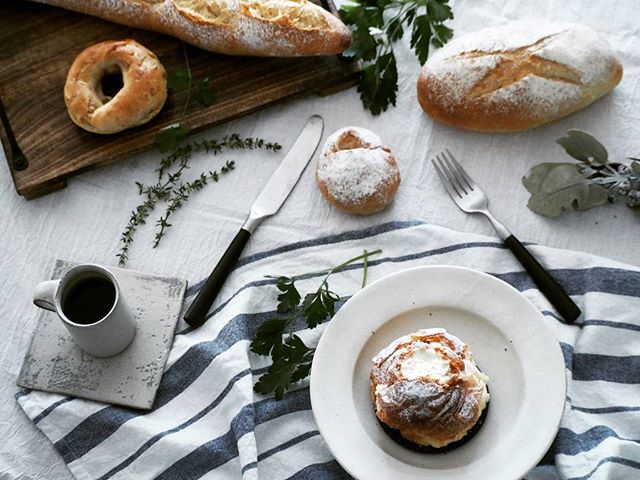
(582, 146)
(559, 187)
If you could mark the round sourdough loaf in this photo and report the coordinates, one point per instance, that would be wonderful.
(279, 28)
(517, 76)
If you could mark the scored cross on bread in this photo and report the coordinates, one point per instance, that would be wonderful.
(517, 76)
(514, 65)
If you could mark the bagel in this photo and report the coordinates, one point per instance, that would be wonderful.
(143, 92)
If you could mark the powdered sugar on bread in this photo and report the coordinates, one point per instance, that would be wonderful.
(235, 27)
(517, 75)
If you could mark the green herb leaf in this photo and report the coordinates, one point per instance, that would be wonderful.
(269, 335)
(441, 35)
(290, 297)
(394, 29)
(376, 25)
(171, 189)
(313, 310)
(180, 194)
(379, 84)
(582, 146)
(363, 43)
(439, 11)
(206, 95)
(289, 367)
(559, 187)
(170, 137)
(421, 37)
(302, 371)
(319, 306)
(179, 79)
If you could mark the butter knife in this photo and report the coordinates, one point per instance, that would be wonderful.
(268, 203)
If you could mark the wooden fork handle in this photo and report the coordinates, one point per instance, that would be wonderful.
(545, 282)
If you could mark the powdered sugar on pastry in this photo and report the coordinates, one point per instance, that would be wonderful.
(427, 385)
(353, 175)
(356, 172)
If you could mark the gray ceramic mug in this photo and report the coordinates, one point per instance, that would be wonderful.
(89, 303)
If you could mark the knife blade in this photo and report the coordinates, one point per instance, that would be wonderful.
(269, 201)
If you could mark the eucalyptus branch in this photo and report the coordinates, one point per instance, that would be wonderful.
(593, 181)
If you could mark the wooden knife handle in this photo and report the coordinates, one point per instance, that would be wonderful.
(197, 313)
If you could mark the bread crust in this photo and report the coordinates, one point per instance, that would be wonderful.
(141, 97)
(501, 79)
(269, 28)
(356, 173)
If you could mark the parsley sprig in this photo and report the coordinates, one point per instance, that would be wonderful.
(290, 355)
(376, 25)
(169, 137)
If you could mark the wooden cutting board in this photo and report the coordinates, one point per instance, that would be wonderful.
(37, 46)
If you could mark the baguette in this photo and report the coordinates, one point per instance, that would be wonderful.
(517, 76)
(278, 28)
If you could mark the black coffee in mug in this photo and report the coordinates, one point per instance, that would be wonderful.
(89, 300)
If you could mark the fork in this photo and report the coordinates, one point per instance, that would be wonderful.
(471, 199)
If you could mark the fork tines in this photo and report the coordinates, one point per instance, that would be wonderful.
(454, 177)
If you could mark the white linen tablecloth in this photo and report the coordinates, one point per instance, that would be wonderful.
(84, 221)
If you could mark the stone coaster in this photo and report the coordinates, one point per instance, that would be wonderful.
(55, 363)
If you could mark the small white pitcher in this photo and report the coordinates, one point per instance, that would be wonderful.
(100, 337)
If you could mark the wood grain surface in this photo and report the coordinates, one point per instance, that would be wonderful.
(37, 46)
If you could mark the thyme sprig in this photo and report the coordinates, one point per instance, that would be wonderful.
(291, 357)
(170, 188)
(179, 195)
(232, 142)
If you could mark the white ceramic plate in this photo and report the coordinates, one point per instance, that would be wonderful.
(510, 343)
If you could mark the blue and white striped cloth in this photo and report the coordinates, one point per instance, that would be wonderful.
(207, 422)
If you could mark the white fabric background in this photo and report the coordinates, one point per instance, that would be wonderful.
(83, 222)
